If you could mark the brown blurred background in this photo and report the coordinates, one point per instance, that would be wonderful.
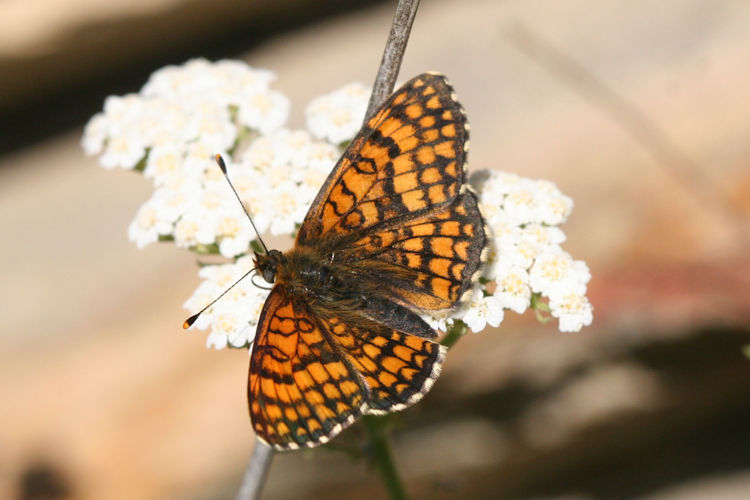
(638, 110)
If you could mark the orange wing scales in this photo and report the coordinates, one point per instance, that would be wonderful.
(408, 159)
(300, 391)
(392, 232)
(398, 369)
(435, 255)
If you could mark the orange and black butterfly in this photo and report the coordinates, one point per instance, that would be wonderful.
(393, 232)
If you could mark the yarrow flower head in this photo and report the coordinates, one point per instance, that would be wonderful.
(185, 115)
(480, 310)
(337, 116)
(525, 260)
(291, 165)
(171, 130)
(233, 319)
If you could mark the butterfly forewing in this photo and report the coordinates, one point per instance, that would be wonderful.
(408, 159)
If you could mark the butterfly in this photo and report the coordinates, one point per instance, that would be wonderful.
(393, 232)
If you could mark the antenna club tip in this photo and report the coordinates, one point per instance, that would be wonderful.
(189, 322)
(220, 162)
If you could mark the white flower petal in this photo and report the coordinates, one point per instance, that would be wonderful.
(338, 116)
(574, 311)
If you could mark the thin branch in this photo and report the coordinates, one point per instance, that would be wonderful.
(256, 472)
(406, 10)
(260, 461)
(382, 456)
(454, 333)
(635, 122)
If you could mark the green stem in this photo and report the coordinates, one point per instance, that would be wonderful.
(455, 332)
(382, 456)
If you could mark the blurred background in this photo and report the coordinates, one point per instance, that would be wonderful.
(638, 110)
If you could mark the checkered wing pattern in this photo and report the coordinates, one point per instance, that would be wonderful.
(431, 258)
(397, 368)
(301, 391)
(407, 160)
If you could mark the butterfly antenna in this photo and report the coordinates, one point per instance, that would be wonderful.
(189, 322)
(223, 167)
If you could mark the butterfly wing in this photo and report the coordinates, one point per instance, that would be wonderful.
(397, 368)
(430, 259)
(395, 203)
(300, 390)
(407, 160)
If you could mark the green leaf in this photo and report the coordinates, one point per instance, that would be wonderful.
(256, 246)
(541, 308)
(141, 165)
(210, 249)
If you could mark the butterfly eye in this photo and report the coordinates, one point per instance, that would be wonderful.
(269, 274)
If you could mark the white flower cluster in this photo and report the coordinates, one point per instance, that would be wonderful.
(185, 115)
(181, 112)
(234, 318)
(525, 257)
(180, 120)
(279, 175)
(337, 116)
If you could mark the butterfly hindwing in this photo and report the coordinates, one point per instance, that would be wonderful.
(397, 368)
(300, 390)
(407, 159)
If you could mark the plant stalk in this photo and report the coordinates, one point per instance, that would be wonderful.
(454, 333)
(393, 54)
(256, 472)
(382, 456)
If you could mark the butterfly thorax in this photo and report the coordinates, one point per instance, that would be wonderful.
(303, 273)
(338, 285)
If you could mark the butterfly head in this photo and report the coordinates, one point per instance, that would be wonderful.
(268, 264)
